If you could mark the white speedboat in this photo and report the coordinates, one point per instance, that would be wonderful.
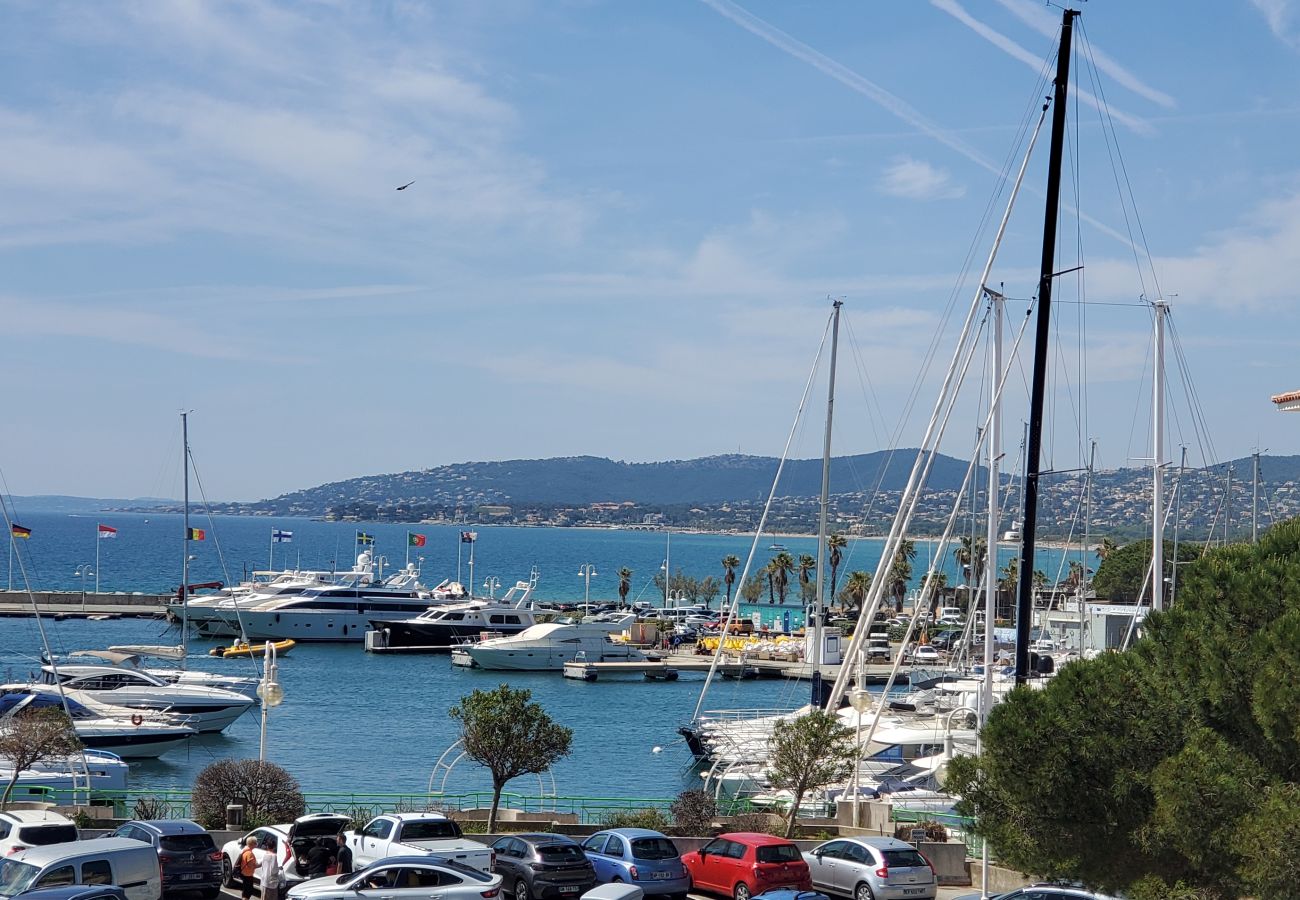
(440, 627)
(341, 611)
(132, 735)
(207, 710)
(547, 647)
(63, 780)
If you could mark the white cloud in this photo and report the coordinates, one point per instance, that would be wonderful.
(1283, 20)
(915, 179)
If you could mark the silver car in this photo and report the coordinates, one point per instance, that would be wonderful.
(1044, 892)
(871, 868)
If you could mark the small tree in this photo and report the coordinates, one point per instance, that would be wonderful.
(507, 734)
(267, 792)
(693, 812)
(808, 753)
(33, 736)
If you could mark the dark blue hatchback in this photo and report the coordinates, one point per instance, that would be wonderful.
(187, 855)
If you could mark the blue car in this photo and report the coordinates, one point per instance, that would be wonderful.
(75, 892)
(640, 857)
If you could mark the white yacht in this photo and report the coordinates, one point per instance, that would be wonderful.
(130, 659)
(441, 627)
(549, 646)
(63, 780)
(207, 710)
(130, 735)
(339, 611)
(217, 615)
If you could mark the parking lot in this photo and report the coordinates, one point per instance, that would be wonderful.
(945, 893)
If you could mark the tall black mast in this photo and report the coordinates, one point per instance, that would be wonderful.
(1025, 586)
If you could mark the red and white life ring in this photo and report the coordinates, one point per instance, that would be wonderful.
(137, 719)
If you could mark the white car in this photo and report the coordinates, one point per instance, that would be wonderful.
(403, 878)
(23, 828)
(926, 654)
(290, 841)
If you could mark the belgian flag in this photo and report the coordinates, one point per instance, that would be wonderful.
(195, 534)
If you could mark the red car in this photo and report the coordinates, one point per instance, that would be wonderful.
(743, 864)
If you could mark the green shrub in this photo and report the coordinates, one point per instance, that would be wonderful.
(268, 793)
(649, 817)
(934, 831)
(760, 822)
(693, 812)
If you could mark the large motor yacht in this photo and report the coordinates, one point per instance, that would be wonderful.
(126, 733)
(217, 615)
(340, 611)
(207, 710)
(439, 628)
(547, 647)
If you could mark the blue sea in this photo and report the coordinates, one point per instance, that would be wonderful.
(356, 721)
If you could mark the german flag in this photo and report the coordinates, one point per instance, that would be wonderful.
(196, 534)
(20, 531)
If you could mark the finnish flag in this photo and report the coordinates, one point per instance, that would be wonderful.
(281, 537)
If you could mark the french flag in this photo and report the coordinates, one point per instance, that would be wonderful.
(107, 531)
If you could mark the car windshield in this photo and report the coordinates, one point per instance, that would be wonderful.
(430, 830)
(561, 853)
(653, 848)
(16, 877)
(903, 859)
(40, 835)
(187, 843)
(778, 853)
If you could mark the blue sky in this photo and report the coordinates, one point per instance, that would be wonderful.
(625, 222)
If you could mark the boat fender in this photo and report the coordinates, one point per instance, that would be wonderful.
(137, 719)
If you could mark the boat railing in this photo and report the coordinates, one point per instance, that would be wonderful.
(736, 715)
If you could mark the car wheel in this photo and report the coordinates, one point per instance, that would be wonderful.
(521, 890)
(227, 871)
(863, 892)
(616, 880)
(741, 892)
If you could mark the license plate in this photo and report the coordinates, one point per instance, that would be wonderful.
(569, 889)
(661, 876)
(193, 876)
(913, 890)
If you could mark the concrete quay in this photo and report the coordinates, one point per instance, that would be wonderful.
(74, 604)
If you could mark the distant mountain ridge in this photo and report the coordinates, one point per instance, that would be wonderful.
(63, 503)
(591, 479)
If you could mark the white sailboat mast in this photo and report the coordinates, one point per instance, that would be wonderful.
(814, 653)
(1157, 462)
(994, 518)
(185, 545)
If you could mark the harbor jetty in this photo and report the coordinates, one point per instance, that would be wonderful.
(75, 604)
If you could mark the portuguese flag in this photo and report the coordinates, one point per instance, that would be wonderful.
(415, 540)
(196, 534)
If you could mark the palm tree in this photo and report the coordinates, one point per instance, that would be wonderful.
(729, 564)
(1074, 578)
(971, 555)
(900, 573)
(782, 567)
(767, 570)
(856, 588)
(834, 544)
(1010, 575)
(806, 564)
(1106, 548)
(624, 585)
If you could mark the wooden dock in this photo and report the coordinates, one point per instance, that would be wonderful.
(669, 668)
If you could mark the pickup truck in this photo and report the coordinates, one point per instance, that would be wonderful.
(412, 834)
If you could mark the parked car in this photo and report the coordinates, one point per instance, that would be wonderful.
(879, 649)
(613, 891)
(403, 878)
(742, 864)
(638, 856)
(187, 855)
(76, 892)
(290, 841)
(871, 868)
(925, 654)
(23, 828)
(543, 866)
(405, 834)
(1044, 892)
(786, 894)
(105, 861)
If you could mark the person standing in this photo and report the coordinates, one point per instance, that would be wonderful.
(271, 875)
(344, 855)
(248, 866)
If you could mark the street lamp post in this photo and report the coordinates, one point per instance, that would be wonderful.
(492, 583)
(587, 571)
(270, 692)
(83, 572)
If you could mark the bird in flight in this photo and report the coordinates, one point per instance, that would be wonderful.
(405, 186)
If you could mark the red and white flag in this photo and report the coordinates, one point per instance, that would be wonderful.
(107, 531)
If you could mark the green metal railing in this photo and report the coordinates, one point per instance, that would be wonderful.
(365, 804)
(958, 826)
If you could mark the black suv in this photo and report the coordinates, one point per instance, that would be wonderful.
(543, 866)
(187, 855)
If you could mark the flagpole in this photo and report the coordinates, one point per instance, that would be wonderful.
(97, 540)
(270, 557)
(408, 548)
(473, 541)
(460, 546)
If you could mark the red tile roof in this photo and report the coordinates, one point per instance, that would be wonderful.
(1288, 397)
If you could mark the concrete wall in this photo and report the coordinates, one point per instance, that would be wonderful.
(73, 599)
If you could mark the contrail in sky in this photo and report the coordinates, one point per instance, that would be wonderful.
(891, 102)
(1035, 62)
(1045, 24)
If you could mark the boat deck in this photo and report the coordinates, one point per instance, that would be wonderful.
(669, 668)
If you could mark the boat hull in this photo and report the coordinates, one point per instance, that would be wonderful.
(543, 659)
(432, 637)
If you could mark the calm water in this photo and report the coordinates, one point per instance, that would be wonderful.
(355, 721)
